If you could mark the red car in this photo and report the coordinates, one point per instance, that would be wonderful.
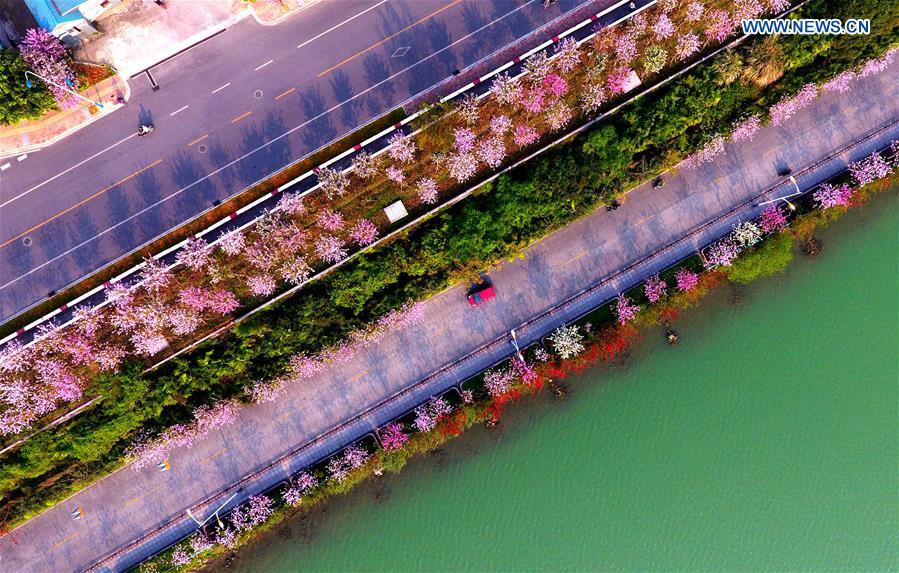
(481, 294)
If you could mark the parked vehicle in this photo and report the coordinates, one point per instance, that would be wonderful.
(481, 294)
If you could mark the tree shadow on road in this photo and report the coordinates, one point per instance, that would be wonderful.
(343, 91)
(376, 71)
(318, 131)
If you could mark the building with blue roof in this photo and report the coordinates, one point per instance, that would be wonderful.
(69, 20)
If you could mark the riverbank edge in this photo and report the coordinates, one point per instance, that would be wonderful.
(606, 344)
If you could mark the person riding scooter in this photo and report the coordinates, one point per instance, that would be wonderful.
(144, 130)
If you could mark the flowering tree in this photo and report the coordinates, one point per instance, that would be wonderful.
(625, 309)
(712, 149)
(426, 415)
(654, 59)
(262, 285)
(465, 140)
(365, 165)
(828, 196)
(195, 254)
(555, 84)
(625, 48)
(687, 45)
(525, 135)
(568, 55)
(330, 249)
(492, 151)
(537, 66)
(232, 243)
(402, 148)
(296, 270)
(720, 25)
(506, 90)
(686, 280)
(498, 382)
(593, 97)
(772, 219)
(663, 28)
(695, 11)
(787, 107)
(746, 129)
(427, 191)
(558, 115)
(260, 509)
(746, 234)
(393, 437)
(567, 341)
(619, 80)
(463, 166)
(180, 557)
(500, 125)
(841, 83)
(395, 174)
(48, 57)
(869, 169)
(333, 183)
(364, 232)
(299, 486)
(722, 253)
(469, 109)
(329, 220)
(655, 288)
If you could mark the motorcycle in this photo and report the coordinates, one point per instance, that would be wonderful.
(144, 130)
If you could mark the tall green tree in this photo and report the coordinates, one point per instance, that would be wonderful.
(17, 101)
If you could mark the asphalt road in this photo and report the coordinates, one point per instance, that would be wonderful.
(608, 251)
(229, 112)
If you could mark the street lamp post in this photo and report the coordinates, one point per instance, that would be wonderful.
(785, 198)
(515, 344)
(29, 85)
(214, 514)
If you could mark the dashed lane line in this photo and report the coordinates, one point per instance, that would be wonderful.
(179, 110)
(220, 88)
(240, 117)
(218, 454)
(69, 538)
(5, 166)
(22, 157)
(290, 91)
(332, 28)
(259, 147)
(390, 37)
(198, 140)
(257, 68)
(61, 173)
(79, 204)
(141, 496)
(641, 221)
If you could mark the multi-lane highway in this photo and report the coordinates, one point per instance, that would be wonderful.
(229, 112)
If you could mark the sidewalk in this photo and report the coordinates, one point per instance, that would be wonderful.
(27, 136)
(140, 34)
(272, 12)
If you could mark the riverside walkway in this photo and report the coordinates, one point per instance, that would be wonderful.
(653, 229)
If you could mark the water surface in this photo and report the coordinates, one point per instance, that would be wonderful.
(766, 442)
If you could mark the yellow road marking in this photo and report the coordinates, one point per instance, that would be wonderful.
(141, 496)
(69, 538)
(291, 90)
(82, 202)
(390, 37)
(439, 332)
(240, 117)
(358, 376)
(194, 142)
(213, 456)
(641, 221)
(572, 259)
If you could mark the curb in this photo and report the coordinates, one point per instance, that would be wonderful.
(108, 109)
(282, 17)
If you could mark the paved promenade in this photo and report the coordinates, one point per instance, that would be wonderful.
(381, 383)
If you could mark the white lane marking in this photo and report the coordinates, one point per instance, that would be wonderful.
(331, 29)
(179, 110)
(220, 88)
(5, 166)
(61, 173)
(262, 66)
(264, 145)
(22, 157)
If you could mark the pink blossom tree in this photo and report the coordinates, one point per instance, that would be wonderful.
(330, 249)
(402, 148)
(329, 220)
(870, 169)
(558, 115)
(746, 129)
(232, 242)
(619, 80)
(463, 166)
(393, 437)
(840, 84)
(500, 124)
(334, 183)
(364, 232)
(828, 196)
(687, 45)
(525, 135)
(260, 509)
(625, 309)
(695, 11)
(464, 140)
(772, 220)
(492, 151)
(262, 285)
(663, 28)
(555, 85)
(686, 280)
(592, 98)
(655, 288)
(568, 55)
(498, 382)
(364, 165)
(427, 191)
(505, 90)
(722, 253)
(48, 57)
(194, 254)
(395, 174)
(625, 48)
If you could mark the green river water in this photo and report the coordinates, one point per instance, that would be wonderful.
(767, 441)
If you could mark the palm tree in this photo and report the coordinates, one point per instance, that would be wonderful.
(729, 67)
(765, 62)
